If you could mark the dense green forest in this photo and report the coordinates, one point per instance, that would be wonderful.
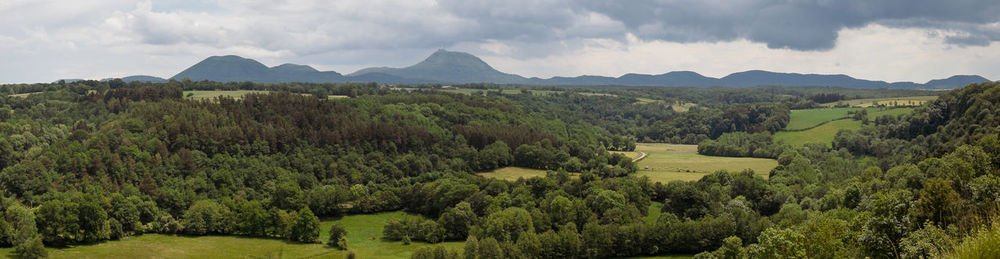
(91, 161)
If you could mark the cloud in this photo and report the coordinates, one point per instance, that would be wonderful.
(798, 25)
(346, 35)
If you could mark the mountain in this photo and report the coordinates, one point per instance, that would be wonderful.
(143, 78)
(759, 77)
(448, 67)
(955, 82)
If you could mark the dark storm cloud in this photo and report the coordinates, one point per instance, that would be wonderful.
(797, 24)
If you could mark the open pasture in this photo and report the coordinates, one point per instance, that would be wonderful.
(364, 234)
(673, 162)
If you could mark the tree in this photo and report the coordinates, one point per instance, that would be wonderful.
(208, 217)
(253, 219)
(305, 228)
(778, 243)
(287, 196)
(27, 241)
(33, 248)
(938, 203)
(457, 220)
(508, 224)
(338, 236)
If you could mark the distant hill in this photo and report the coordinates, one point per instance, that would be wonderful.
(952, 82)
(142, 78)
(450, 67)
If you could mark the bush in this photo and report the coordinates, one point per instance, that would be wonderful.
(338, 237)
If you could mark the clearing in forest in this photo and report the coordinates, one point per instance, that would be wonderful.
(512, 173)
(821, 134)
(364, 238)
(672, 162)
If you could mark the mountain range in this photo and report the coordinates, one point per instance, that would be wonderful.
(449, 67)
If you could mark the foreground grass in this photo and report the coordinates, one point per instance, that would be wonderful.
(364, 238)
(672, 162)
(984, 244)
(822, 134)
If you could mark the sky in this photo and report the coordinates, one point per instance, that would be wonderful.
(891, 40)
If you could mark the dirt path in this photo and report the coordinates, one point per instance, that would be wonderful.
(641, 156)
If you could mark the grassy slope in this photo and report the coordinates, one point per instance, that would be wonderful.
(801, 119)
(364, 239)
(670, 162)
(822, 134)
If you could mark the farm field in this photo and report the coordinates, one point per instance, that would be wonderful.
(512, 173)
(894, 101)
(672, 162)
(822, 134)
(364, 239)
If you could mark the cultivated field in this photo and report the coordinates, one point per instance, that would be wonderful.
(822, 134)
(363, 238)
(672, 162)
(890, 102)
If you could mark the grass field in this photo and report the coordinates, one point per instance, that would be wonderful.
(363, 238)
(822, 134)
(894, 101)
(512, 173)
(672, 162)
(801, 119)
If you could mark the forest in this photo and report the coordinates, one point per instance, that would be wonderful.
(90, 162)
